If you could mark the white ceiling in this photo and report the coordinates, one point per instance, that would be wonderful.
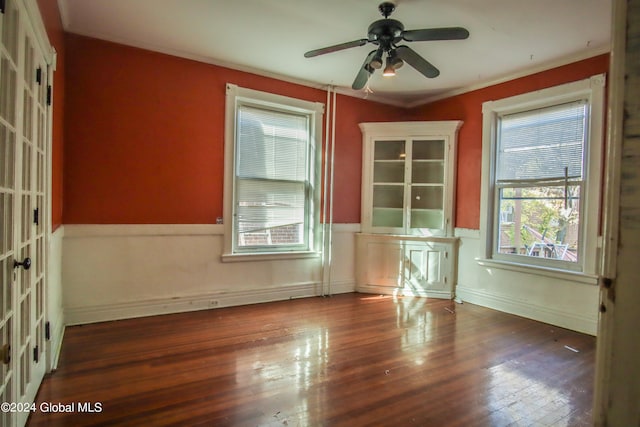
(269, 37)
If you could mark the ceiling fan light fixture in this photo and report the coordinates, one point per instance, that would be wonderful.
(376, 62)
(389, 71)
(394, 61)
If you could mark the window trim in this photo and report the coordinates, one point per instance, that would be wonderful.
(591, 89)
(234, 96)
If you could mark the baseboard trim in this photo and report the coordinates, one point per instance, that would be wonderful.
(153, 307)
(390, 290)
(55, 352)
(521, 308)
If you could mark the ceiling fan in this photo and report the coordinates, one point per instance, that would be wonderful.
(386, 34)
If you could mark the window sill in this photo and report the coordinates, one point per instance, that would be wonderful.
(269, 256)
(573, 276)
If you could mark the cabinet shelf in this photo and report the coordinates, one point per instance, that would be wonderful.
(389, 183)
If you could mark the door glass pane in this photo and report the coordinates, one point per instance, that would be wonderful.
(428, 150)
(7, 157)
(389, 150)
(387, 218)
(431, 172)
(26, 166)
(427, 197)
(388, 202)
(384, 171)
(10, 30)
(7, 91)
(427, 162)
(432, 219)
(388, 196)
(427, 207)
(389, 161)
(388, 177)
(6, 227)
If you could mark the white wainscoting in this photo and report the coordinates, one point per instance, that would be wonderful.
(559, 300)
(121, 271)
(55, 310)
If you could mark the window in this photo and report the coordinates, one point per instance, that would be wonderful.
(541, 176)
(271, 180)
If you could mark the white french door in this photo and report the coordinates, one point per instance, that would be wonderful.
(24, 125)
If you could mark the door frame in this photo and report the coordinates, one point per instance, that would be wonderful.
(34, 18)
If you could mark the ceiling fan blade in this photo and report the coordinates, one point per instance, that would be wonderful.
(428, 34)
(335, 48)
(412, 58)
(364, 73)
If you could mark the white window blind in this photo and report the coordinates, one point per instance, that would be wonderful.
(272, 177)
(544, 144)
(539, 176)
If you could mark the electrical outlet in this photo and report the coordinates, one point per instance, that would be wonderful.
(213, 303)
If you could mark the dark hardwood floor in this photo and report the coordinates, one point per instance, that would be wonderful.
(347, 360)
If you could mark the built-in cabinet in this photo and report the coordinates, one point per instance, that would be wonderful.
(408, 194)
(409, 265)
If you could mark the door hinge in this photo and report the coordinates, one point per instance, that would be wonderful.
(39, 75)
(2, 5)
(49, 95)
(36, 216)
(608, 284)
(47, 331)
(36, 354)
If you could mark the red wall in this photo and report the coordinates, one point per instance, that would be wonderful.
(144, 132)
(144, 136)
(53, 24)
(468, 107)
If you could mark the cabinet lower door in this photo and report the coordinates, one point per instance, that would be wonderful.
(426, 269)
(382, 264)
(408, 267)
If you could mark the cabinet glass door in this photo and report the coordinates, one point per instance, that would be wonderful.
(388, 183)
(427, 184)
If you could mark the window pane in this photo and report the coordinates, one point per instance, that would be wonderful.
(272, 178)
(270, 213)
(540, 222)
(272, 144)
(543, 143)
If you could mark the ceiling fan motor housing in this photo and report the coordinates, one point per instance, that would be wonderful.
(385, 32)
